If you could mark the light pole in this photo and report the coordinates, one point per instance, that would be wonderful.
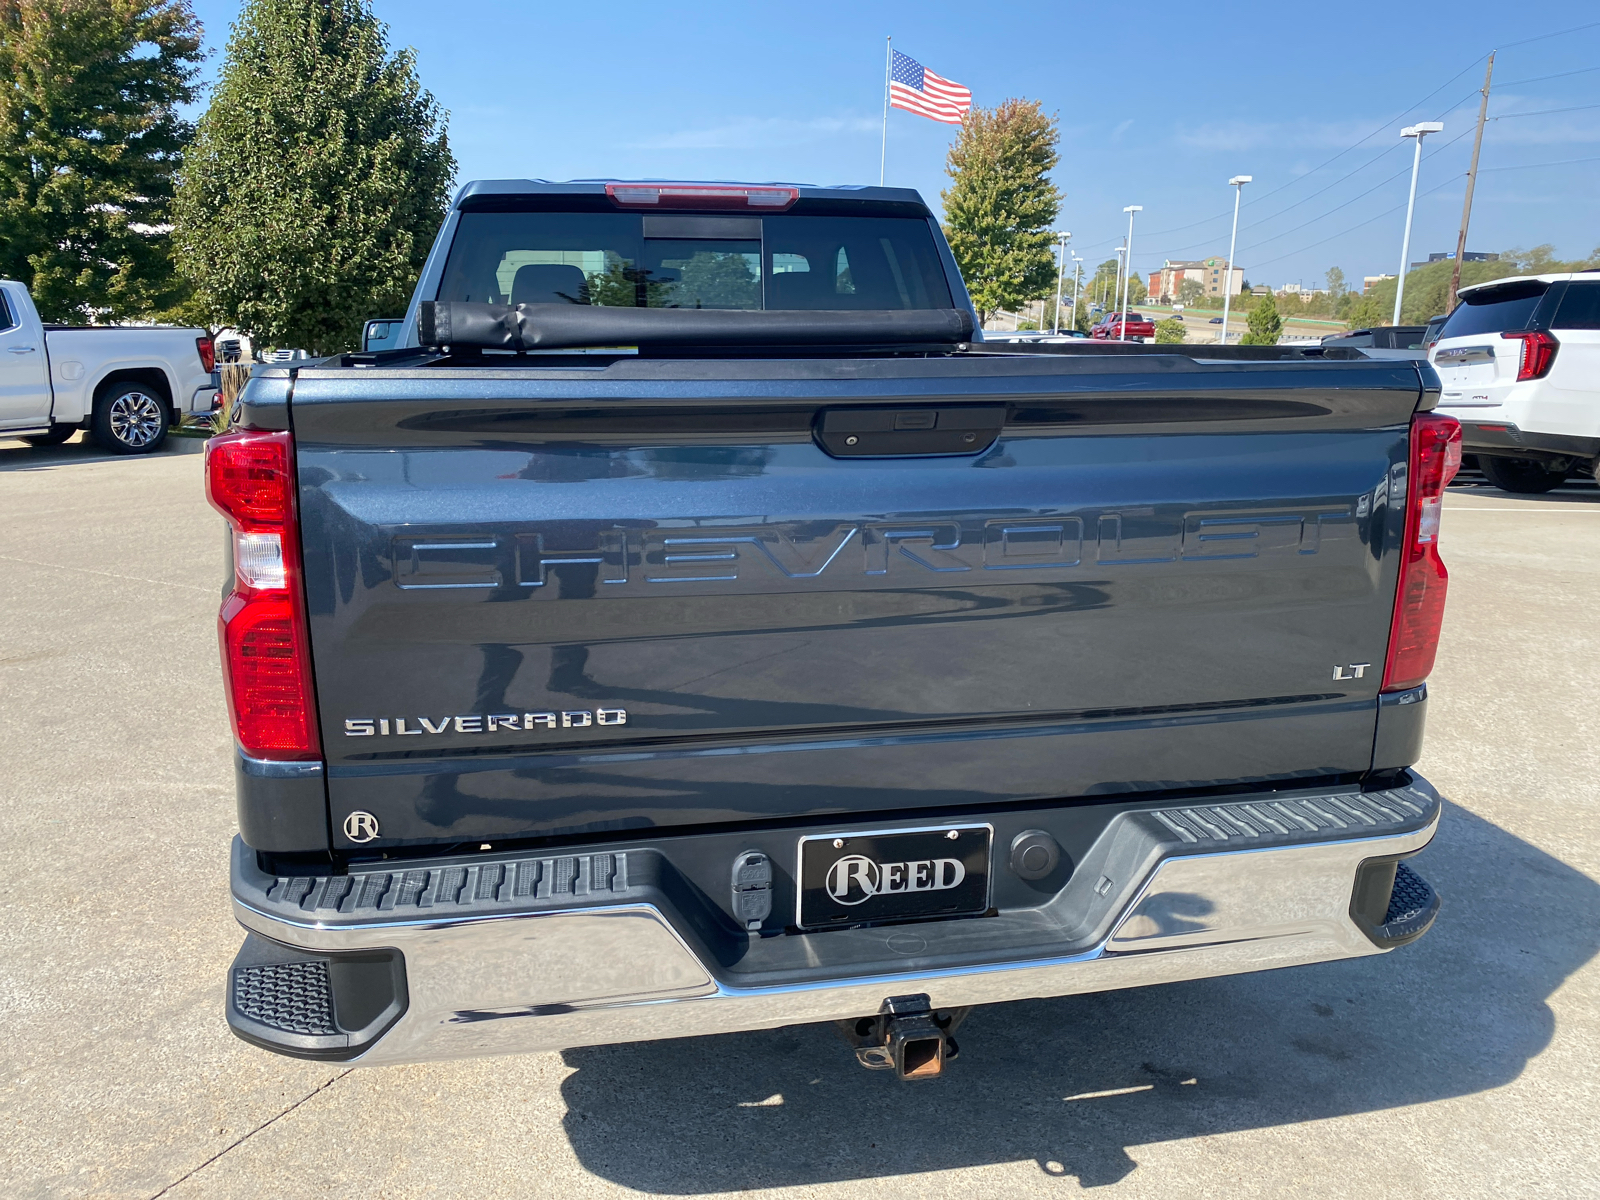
(1419, 131)
(1077, 268)
(1127, 277)
(1237, 183)
(1109, 305)
(1061, 268)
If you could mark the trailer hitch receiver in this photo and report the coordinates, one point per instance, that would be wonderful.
(907, 1037)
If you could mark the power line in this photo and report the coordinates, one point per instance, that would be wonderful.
(1387, 124)
(1368, 137)
(1335, 183)
(1543, 36)
(1298, 178)
(1545, 112)
(1312, 196)
(1382, 182)
(1530, 166)
(1386, 212)
(1542, 78)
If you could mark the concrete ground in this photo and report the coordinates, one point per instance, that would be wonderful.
(1461, 1066)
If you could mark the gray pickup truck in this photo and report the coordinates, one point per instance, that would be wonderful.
(693, 626)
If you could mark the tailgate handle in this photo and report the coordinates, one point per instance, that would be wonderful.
(924, 430)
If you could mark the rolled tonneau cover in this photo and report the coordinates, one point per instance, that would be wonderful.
(565, 326)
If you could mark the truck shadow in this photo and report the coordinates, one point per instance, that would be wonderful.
(17, 455)
(1072, 1083)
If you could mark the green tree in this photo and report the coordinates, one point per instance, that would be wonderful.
(1170, 330)
(1334, 278)
(90, 140)
(319, 177)
(1191, 292)
(712, 280)
(1265, 323)
(1001, 206)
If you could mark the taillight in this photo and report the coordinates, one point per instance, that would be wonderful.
(266, 654)
(1538, 352)
(1419, 599)
(208, 354)
(701, 195)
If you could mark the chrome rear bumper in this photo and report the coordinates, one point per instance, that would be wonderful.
(1224, 892)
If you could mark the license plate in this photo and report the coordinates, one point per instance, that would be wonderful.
(854, 878)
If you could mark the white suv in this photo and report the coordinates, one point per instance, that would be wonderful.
(1520, 363)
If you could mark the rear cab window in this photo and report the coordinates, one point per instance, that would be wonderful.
(631, 260)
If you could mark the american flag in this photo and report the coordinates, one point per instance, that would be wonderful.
(916, 89)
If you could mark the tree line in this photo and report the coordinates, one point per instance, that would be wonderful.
(303, 201)
(306, 197)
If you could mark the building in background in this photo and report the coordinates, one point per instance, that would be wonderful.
(1368, 282)
(1469, 256)
(1212, 274)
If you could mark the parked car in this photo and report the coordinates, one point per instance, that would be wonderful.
(1430, 336)
(1139, 327)
(1519, 360)
(607, 672)
(126, 384)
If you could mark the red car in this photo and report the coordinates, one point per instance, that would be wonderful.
(1139, 328)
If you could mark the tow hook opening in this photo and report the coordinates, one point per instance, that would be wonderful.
(908, 1037)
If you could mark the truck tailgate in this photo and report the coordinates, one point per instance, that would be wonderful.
(552, 602)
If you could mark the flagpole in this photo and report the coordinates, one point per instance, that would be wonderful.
(883, 152)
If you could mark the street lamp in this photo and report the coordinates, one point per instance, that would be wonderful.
(1061, 267)
(1419, 131)
(1110, 302)
(1077, 268)
(1127, 278)
(1237, 183)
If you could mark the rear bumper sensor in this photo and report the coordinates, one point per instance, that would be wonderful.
(490, 957)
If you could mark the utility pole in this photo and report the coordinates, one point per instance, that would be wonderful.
(1472, 178)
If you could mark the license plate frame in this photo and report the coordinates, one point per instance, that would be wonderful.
(908, 876)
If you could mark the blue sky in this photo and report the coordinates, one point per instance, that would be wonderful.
(1159, 104)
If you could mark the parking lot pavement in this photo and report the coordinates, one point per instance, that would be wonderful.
(1460, 1066)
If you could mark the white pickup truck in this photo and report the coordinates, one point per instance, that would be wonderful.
(127, 385)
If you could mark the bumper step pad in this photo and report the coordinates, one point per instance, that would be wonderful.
(1412, 907)
(291, 997)
(314, 1005)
